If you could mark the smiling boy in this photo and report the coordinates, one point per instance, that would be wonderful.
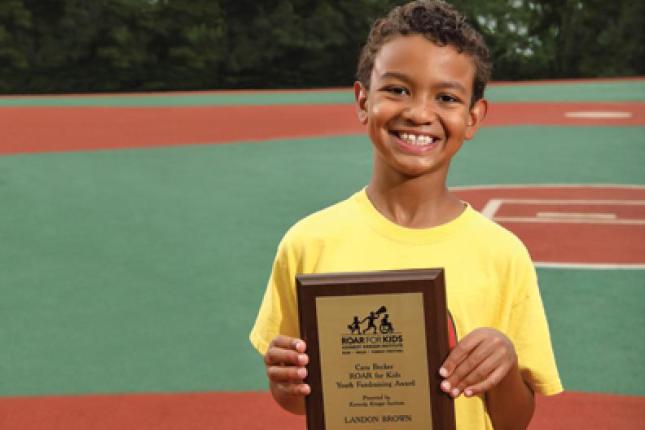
(421, 78)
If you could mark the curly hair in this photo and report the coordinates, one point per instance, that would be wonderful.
(439, 23)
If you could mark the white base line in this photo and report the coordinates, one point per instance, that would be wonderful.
(536, 220)
(491, 208)
(591, 266)
(572, 202)
(598, 115)
(515, 186)
(576, 215)
(493, 205)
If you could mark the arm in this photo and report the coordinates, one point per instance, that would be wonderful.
(511, 403)
(485, 362)
(285, 360)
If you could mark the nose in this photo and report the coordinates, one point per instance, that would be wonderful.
(420, 111)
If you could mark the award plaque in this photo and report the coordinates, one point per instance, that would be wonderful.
(375, 341)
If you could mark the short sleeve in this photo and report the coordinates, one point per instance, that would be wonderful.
(529, 331)
(278, 312)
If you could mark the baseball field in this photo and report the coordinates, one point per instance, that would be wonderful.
(137, 233)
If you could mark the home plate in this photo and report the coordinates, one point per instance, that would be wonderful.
(598, 115)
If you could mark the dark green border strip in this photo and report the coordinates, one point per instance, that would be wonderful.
(600, 91)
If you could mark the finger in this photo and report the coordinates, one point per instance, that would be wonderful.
(279, 356)
(459, 353)
(284, 374)
(453, 384)
(288, 342)
(294, 389)
(490, 382)
(482, 371)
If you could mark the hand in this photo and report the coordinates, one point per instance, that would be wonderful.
(285, 360)
(478, 363)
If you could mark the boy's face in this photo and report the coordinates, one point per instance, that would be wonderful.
(417, 109)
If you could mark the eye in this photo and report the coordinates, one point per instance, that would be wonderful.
(397, 90)
(447, 98)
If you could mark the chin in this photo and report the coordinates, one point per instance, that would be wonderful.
(415, 171)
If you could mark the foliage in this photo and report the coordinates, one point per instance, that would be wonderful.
(110, 45)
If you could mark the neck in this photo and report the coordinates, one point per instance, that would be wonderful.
(414, 202)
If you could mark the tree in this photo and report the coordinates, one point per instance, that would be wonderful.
(117, 45)
(15, 41)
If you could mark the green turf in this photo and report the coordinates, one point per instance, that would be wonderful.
(574, 91)
(141, 270)
(554, 155)
(618, 91)
(597, 320)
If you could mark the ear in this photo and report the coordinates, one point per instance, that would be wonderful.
(476, 116)
(360, 95)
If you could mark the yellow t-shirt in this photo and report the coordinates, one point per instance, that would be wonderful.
(490, 281)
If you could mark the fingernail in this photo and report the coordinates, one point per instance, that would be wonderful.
(455, 392)
(302, 373)
(306, 390)
(468, 392)
(443, 372)
(445, 386)
(303, 359)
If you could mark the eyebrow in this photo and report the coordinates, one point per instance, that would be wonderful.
(396, 75)
(452, 85)
(403, 77)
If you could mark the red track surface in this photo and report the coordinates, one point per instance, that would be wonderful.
(572, 242)
(42, 129)
(256, 411)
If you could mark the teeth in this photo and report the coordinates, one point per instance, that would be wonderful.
(413, 139)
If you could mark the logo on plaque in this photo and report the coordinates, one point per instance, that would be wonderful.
(385, 326)
(373, 333)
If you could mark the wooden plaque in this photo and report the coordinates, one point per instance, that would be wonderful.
(375, 342)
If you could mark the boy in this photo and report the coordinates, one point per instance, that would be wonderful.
(421, 78)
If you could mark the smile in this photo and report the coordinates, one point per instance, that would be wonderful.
(416, 139)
